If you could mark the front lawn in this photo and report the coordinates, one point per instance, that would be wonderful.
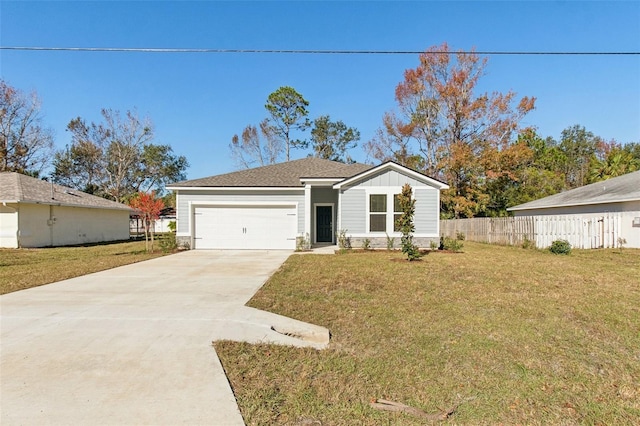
(514, 336)
(25, 268)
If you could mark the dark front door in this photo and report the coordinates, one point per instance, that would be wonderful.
(324, 216)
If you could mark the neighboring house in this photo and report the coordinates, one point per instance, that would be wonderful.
(36, 213)
(167, 215)
(607, 210)
(280, 205)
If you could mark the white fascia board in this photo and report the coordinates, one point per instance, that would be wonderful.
(398, 168)
(320, 181)
(234, 188)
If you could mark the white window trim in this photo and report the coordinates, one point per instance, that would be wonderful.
(389, 191)
(315, 221)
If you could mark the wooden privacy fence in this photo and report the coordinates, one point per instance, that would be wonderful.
(495, 230)
(581, 231)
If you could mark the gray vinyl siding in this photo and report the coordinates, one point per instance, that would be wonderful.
(324, 195)
(390, 178)
(353, 211)
(184, 197)
(427, 211)
(354, 207)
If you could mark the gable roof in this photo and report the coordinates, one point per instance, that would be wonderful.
(19, 188)
(390, 165)
(281, 175)
(615, 190)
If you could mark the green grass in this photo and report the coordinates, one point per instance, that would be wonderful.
(25, 268)
(519, 336)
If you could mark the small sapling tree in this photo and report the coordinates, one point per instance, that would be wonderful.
(405, 222)
(148, 207)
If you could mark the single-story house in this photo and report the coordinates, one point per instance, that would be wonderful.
(36, 213)
(307, 201)
(613, 204)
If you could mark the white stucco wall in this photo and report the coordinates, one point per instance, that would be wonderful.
(629, 231)
(43, 225)
(81, 225)
(33, 230)
(8, 226)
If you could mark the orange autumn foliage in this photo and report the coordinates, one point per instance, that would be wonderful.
(149, 208)
(444, 129)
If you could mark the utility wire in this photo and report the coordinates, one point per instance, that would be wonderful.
(313, 52)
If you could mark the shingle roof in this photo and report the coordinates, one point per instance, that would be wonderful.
(614, 190)
(19, 188)
(286, 174)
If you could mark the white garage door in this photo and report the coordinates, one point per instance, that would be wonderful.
(243, 227)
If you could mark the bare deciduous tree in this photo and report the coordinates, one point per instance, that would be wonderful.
(116, 158)
(25, 144)
(255, 147)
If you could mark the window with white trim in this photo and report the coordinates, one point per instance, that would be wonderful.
(397, 212)
(384, 215)
(377, 212)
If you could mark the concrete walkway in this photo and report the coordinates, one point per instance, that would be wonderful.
(132, 345)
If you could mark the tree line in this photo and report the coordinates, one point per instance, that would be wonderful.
(441, 126)
(476, 144)
(115, 158)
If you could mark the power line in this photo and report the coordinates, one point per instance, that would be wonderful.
(307, 52)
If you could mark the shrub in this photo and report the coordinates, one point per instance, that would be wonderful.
(366, 244)
(621, 242)
(391, 242)
(460, 236)
(528, 244)
(451, 244)
(303, 243)
(560, 247)
(168, 242)
(344, 242)
(433, 245)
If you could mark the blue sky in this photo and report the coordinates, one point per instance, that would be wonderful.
(198, 101)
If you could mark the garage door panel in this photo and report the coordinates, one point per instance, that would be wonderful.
(212, 230)
(259, 227)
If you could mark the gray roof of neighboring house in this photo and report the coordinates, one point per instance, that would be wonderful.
(19, 188)
(286, 174)
(614, 190)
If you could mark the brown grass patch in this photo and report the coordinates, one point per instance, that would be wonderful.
(521, 336)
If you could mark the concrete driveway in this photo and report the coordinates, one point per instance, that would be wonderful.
(132, 345)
